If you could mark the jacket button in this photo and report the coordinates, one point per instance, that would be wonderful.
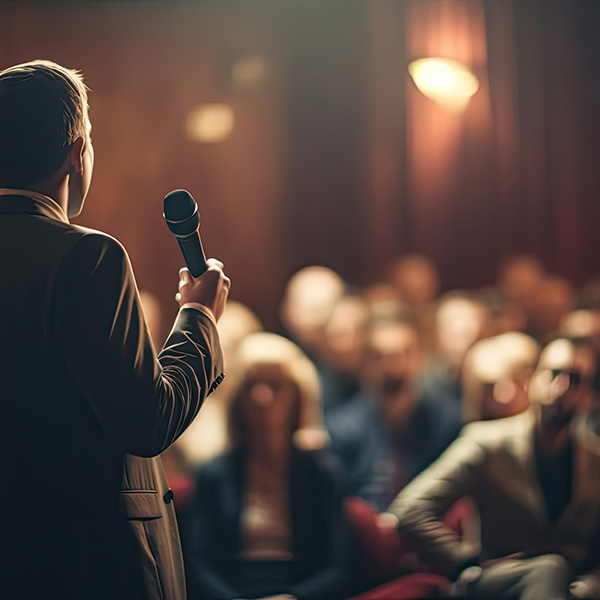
(168, 497)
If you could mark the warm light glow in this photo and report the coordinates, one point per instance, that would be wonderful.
(210, 123)
(447, 82)
(248, 70)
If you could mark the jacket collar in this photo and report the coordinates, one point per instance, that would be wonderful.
(28, 202)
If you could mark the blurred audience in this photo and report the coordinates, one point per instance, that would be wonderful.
(268, 517)
(390, 431)
(399, 370)
(495, 375)
(535, 479)
(460, 319)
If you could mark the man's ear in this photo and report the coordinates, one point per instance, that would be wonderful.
(76, 156)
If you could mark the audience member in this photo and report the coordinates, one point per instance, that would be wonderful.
(417, 280)
(582, 323)
(553, 299)
(343, 351)
(309, 297)
(382, 298)
(495, 375)
(389, 432)
(268, 513)
(519, 276)
(535, 479)
(460, 320)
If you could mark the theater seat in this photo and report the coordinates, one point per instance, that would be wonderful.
(382, 557)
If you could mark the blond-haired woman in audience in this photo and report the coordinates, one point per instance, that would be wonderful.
(268, 518)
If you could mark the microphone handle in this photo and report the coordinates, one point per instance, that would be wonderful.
(193, 253)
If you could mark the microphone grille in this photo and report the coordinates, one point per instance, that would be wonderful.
(179, 205)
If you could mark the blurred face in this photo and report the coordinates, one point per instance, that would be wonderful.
(519, 279)
(269, 400)
(393, 357)
(561, 387)
(310, 297)
(553, 300)
(460, 323)
(418, 281)
(79, 183)
(345, 335)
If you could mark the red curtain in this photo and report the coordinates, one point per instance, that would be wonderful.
(510, 174)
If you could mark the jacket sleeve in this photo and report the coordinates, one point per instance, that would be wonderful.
(422, 504)
(142, 402)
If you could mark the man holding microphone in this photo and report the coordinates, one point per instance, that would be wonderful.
(81, 383)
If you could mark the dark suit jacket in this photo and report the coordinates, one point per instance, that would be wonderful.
(150, 511)
(81, 386)
(319, 534)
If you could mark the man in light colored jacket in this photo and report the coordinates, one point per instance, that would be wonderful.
(535, 479)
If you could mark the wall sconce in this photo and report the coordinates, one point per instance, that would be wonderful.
(209, 123)
(447, 82)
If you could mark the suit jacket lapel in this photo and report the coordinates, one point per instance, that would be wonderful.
(583, 510)
(531, 490)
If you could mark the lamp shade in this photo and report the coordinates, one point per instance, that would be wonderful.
(448, 82)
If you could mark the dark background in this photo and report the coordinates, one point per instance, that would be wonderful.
(336, 158)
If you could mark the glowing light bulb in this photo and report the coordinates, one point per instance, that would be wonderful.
(210, 123)
(447, 82)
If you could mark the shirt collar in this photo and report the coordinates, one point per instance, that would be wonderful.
(44, 204)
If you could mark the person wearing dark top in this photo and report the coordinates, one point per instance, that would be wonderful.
(82, 385)
(268, 517)
(389, 432)
(342, 353)
(535, 480)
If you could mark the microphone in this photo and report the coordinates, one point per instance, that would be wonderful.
(183, 219)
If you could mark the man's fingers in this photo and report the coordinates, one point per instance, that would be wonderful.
(213, 262)
(560, 384)
(545, 388)
(185, 275)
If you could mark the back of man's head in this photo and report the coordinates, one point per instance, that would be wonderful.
(43, 110)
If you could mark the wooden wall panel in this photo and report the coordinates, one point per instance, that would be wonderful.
(148, 65)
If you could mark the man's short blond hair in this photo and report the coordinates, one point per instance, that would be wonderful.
(43, 110)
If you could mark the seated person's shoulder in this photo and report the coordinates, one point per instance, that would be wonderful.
(351, 418)
(496, 431)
